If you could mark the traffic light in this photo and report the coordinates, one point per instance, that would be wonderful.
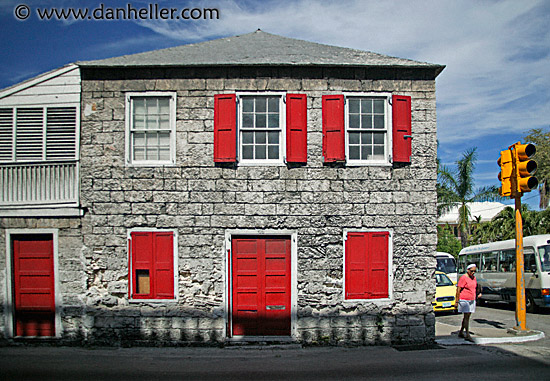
(525, 167)
(505, 175)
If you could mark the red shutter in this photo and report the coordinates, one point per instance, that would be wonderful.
(225, 128)
(355, 265)
(402, 137)
(296, 128)
(164, 265)
(377, 257)
(152, 265)
(333, 128)
(142, 265)
(366, 257)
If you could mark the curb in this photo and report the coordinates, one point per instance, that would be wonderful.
(537, 335)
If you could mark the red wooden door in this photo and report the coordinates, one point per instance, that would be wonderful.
(261, 286)
(33, 276)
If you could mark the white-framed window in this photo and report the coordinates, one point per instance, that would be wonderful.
(367, 265)
(368, 121)
(153, 261)
(261, 128)
(151, 128)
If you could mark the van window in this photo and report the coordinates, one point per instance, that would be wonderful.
(489, 261)
(544, 253)
(446, 265)
(507, 261)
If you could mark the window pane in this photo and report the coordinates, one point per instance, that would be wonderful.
(273, 137)
(378, 152)
(139, 122)
(248, 120)
(353, 121)
(353, 138)
(260, 137)
(354, 106)
(366, 152)
(164, 122)
(248, 104)
(248, 152)
(354, 152)
(139, 153)
(139, 106)
(151, 139)
(366, 121)
(378, 138)
(151, 153)
(261, 104)
(379, 121)
(164, 139)
(379, 106)
(366, 106)
(261, 121)
(273, 152)
(273, 120)
(248, 137)
(366, 138)
(260, 152)
(273, 105)
(139, 139)
(164, 106)
(164, 154)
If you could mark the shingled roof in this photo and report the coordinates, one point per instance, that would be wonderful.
(259, 49)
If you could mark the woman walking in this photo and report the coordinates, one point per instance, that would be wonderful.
(466, 299)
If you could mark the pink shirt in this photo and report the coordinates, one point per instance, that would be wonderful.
(468, 286)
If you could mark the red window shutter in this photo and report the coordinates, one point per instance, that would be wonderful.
(402, 137)
(333, 128)
(355, 265)
(142, 263)
(225, 128)
(152, 265)
(164, 265)
(366, 261)
(296, 128)
(377, 257)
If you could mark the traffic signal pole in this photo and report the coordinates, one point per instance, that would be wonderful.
(516, 170)
(521, 315)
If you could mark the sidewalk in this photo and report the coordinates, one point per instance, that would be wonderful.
(494, 332)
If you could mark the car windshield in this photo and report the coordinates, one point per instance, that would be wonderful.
(544, 252)
(446, 265)
(442, 280)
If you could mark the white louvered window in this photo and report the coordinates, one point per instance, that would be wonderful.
(151, 122)
(38, 134)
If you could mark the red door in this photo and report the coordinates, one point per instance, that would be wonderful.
(261, 286)
(33, 280)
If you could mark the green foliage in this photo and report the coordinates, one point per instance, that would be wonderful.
(541, 139)
(446, 241)
(455, 187)
(503, 225)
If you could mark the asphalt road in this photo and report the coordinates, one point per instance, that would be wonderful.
(530, 361)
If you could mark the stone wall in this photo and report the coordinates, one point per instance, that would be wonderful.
(202, 201)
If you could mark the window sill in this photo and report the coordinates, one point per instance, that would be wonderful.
(42, 212)
(152, 300)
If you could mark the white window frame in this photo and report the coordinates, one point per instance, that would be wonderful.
(131, 270)
(379, 301)
(282, 127)
(388, 128)
(129, 130)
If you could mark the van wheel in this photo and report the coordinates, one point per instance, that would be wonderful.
(530, 305)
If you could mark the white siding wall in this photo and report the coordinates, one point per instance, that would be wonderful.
(59, 87)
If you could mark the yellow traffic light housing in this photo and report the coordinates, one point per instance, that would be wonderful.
(523, 179)
(505, 175)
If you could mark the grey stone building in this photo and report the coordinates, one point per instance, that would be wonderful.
(255, 187)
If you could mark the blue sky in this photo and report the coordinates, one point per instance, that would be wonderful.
(494, 89)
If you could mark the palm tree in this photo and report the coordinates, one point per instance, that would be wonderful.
(456, 188)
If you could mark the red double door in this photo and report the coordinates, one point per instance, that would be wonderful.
(261, 292)
(33, 285)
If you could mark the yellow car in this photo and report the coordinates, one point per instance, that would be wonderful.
(445, 292)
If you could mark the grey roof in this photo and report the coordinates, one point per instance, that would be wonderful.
(258, 48)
